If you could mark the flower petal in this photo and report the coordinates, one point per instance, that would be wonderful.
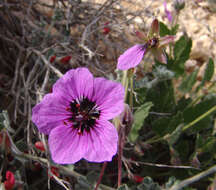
(98, 145)
(166, 40)
(102, 142)
(109, 97)
(76, 83)
(131, 57)
(66, 145)
(168, 13)
(50, 112)
(154, 30)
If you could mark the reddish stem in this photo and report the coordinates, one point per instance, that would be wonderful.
(120, 152)
(101, 175)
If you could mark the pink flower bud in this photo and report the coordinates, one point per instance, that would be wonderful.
(40, 146)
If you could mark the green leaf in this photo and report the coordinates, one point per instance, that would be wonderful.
(123, 187)
(139, 117)
(188, 82)
(182, 51)
(165, 125)
(207, 145)
(148, 184)
(164, 30)
(162, 96)
(174, 29)
(209, 71)
(83, 182)
(173, 137)
(179, 47)
(171, 181)
(192, 113)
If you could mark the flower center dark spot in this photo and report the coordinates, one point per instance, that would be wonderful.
(151, 43)
(84, 114)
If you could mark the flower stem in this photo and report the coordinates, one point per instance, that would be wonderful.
(101, 175)
(199, 118)
(131, 92)
(125, 82)
(120, 152)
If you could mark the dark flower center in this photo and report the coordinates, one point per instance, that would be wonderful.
(153, 42)
(84, 114)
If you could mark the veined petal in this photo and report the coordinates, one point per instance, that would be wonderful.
(166, 40)
(102, 142)
(109, 96)
(50, 112)
(75, 84)
(98, 145)
(131, 57)
(66, 145)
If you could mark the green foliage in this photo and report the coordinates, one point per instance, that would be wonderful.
(182, 49)
(209, 71)
(191, 113)
(123, 187)
(172, 181)
(208, 74)
(162, 96)
(164, 30)
(148, 184)
(139, 117)
(188, 82)
(83, 183)
(165, 125)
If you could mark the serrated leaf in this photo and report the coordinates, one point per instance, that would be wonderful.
(123, 187)
(188, 82)
(139, 117)
(164, 30)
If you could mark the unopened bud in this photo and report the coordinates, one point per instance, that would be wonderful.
(10, 180)
(40, 146)
(179, 5)
(126, 119)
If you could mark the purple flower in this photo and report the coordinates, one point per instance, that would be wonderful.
(76, 114)
(132, 57)
(167, 12)
(153, 42)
